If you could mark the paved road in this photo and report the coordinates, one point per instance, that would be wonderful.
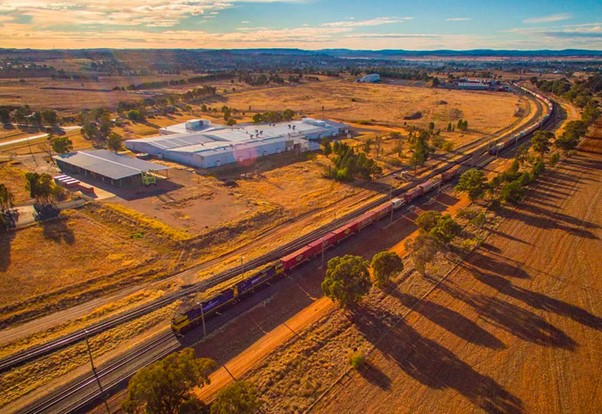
(34, 137)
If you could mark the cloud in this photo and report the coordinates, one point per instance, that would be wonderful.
(548, 19)
(378, 21)
(458, 19)
(245, 22)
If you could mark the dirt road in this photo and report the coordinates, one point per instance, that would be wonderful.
(517, 328)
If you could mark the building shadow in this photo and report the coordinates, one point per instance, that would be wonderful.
(433, 365)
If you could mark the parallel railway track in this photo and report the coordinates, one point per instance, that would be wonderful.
(84, 391)
(75, 337)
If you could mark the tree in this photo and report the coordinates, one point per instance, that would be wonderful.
(398, 138)
(367, 145)
(541, 141)
(427, 220)
(347, 280)
(326, 147)
(473, 183)
(384, 265)
(238, 398)
(61, 145)
(114, 141)
(7, 198)
(445, 230)
(4, 115)
(512, 192)
(135, 115)
(423, 249)
(231, 121)
(420, 151)
(49, 117)
(40, 186)
(162, 387)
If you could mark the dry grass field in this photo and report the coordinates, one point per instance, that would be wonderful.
(12, 175)
(386, 104)
(49, 266)
(515, 329)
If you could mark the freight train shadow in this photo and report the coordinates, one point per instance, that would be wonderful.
(433, 365)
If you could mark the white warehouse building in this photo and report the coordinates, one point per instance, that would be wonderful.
(213, 146)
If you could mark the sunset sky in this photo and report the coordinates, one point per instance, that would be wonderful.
(306, 24)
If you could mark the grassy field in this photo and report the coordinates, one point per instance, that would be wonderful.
(348, 101)
(50, 266)
(13, 176)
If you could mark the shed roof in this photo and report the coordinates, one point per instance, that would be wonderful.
(109, 164)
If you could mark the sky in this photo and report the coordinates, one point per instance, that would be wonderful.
(305, 24)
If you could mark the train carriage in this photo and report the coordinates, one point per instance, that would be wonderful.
(412, 194)
(256, 280)
(366, 219)
(343, 232)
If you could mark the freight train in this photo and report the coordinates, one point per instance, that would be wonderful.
(549, 109)
(185, 320)
(193, 316)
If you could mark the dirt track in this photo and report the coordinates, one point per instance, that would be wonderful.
(517, 328)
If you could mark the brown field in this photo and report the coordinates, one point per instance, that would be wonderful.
(348, 101)
(66, 260)
(515, 329)
(12, 175)
(521, 308)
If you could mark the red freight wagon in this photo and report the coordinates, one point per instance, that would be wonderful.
(343, 232)
(297, 257)
(429, 185)
(366, 219)
(382, 210)
(412, 194)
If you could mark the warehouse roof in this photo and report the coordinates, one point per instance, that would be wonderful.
(109, 164)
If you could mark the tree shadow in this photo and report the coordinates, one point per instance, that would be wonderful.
(492, 248)
(435, 366)
(504, 266)
(546, 219)
(540, 301)
(450, 320)
(58, 230)
(374, 375)
(513, 319)
(6, 238)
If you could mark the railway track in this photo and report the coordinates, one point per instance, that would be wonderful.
(84, 391)
(36, 352)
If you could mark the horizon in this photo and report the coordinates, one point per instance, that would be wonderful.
(301, 24)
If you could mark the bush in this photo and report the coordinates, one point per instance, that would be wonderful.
(554, 159)
(357, 360)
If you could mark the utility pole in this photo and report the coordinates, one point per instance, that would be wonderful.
(203, 320)
(322, 252)
(102, 393)
(391, 214)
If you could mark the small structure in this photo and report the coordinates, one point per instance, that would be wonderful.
(109, 167)
(370, 78)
